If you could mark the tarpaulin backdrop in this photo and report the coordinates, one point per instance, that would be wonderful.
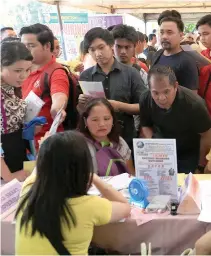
(74, 32)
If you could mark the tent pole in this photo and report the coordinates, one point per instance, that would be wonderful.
(145, 22)
(61, 29)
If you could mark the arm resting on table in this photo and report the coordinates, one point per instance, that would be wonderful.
(120, 205)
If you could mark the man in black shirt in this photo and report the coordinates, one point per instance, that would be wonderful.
(171, 111)
(183, 65)
(122, 84)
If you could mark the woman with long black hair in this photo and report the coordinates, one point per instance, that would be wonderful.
(56, 215)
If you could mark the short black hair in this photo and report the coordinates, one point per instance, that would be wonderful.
(160, 70)
(141, 37)
(205, 20)
(6, 28)
(111, 28)
(14, 51)
(81, 48)
(55, 38)
(151, 36)
(169, 13)
(11, 39)
(146, 38)
(114, 134)
(43, 32)
(179, 22)
(125, 32)
(95, 33)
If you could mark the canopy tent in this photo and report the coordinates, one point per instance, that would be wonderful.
(145, 10)
(137, 6)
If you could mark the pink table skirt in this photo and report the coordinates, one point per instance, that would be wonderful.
(169, 235)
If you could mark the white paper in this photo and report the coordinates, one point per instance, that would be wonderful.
(205, 214)
(190, 196)
(156, 163)
(9, 197)
(56, 122)
(34, 105)
(118, 182)
(94, 89)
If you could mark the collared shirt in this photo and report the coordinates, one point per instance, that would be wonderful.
(205, 85)
(184, 121)
(123, 83)
(58, 83)
(13, 110)
(207, 53)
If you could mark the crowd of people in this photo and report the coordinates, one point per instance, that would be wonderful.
(150, 93)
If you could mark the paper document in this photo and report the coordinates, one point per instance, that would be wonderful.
(190, 196)
(94, 89)
(56, 122)
(9, 197)
(205, 214)
(141, 218)
(118, 182)
(34, 105)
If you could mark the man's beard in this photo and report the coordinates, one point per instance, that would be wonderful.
(166, 45)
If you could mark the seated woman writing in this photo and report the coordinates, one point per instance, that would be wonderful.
(110, 153)
(55, 214)
(16, 61)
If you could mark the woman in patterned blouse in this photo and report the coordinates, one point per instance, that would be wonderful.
(16, 61)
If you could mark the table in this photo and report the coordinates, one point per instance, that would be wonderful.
(169, 235)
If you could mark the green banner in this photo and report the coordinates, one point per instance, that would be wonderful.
(68, 18)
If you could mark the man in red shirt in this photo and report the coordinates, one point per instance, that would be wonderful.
(204, 29)
(39, 40)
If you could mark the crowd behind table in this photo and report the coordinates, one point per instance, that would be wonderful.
(173, 102)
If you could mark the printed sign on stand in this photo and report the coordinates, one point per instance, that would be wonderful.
(156, 163)
(9, 197)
